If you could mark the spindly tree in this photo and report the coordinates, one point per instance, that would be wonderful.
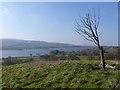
(88, 27)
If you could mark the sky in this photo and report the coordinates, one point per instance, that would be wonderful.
(54, 22)
(59, 0)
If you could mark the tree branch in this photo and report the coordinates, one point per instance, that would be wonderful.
(88, 27)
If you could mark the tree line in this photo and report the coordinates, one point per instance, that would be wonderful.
(110, 53)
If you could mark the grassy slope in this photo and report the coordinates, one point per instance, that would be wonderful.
(72, 74)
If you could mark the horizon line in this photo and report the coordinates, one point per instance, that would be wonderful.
(54, 42)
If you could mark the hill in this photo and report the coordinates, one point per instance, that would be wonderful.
(29, 44)
(18, 44)
(59, 74)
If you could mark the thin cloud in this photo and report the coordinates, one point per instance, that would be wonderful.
(5, 11)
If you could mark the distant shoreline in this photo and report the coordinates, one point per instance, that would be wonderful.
(41, 48)
(35, 52)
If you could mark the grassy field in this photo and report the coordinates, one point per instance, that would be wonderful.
(60, 74)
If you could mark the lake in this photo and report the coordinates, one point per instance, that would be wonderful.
(35, 52)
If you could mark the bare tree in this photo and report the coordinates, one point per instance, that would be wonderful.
(88, 27)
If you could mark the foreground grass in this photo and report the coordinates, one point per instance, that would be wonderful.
(59, 74)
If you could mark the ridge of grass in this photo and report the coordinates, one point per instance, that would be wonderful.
(59, 74)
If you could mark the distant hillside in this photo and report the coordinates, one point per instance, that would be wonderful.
(28, 44)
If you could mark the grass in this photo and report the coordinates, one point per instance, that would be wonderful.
(59, 74)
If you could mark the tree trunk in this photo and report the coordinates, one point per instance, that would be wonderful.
(102, 57)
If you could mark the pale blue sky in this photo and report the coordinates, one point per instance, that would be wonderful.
(54, 22)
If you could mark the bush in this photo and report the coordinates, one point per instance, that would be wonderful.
(14, 60)
(72, 57)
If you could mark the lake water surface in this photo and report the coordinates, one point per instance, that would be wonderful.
(35, 52)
